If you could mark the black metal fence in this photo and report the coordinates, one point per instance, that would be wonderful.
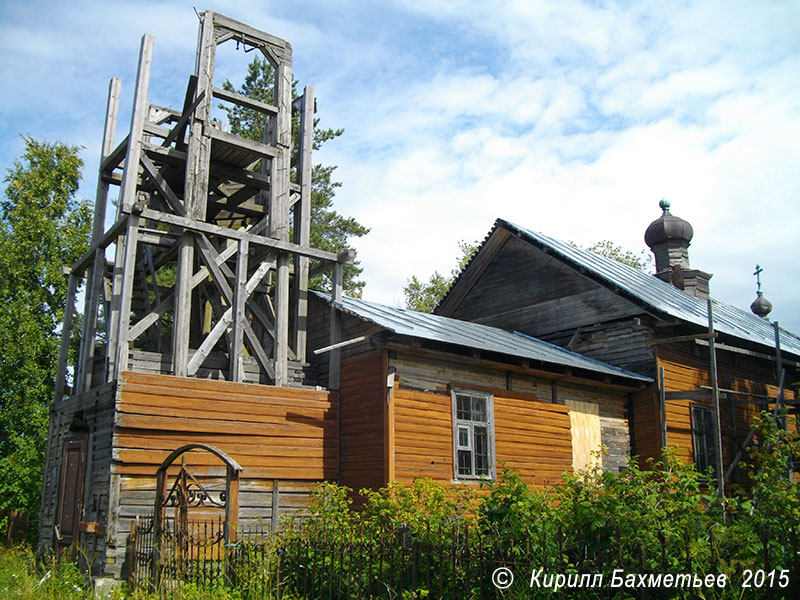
(323, 561)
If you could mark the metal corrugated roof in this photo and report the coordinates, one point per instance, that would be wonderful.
(472, 335)
(662, 296)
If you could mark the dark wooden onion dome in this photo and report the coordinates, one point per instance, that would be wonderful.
(761, 306)
(669, 237)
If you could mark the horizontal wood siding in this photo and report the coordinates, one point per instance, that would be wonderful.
(556, 298)
(288, 435)
(423, 434)
(363, 393)
(438, 373)
(685, 370)
(531, 437)
(272, 432)
(96, 407)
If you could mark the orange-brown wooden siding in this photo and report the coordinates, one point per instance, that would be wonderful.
(685, 372)
(531, 437)
(363, 394)
(271, 432)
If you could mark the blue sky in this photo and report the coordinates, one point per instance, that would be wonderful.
(570, 118)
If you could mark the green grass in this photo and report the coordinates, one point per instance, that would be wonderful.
(22, 577)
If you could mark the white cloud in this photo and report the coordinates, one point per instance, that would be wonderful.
(573, 118)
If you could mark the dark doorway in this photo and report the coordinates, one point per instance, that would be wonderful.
(70, 489)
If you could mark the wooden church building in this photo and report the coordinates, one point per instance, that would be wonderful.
(210, 381)
(663, 326)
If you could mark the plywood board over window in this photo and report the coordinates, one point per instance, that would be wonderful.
(584, 420)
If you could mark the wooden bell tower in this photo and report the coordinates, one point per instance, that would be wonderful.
(195, 315)
(210, 275)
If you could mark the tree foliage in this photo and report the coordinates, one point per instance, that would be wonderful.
(642, 260)
(42, 228)
(330, 230)
(424, 296)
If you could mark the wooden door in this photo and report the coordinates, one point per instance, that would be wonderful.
(70, 490)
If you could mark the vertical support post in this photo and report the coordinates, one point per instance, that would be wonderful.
(279, 216)
(662, 406)
(126, 293)
(335, 359)
(127, 193)
(66, 331)
(715, 396)
(94, 278)
(182, 309)
(239, 300)
(158, 522)
(231, 506)
(231, 520)
(281, 348)
(195, 194)
(778, 359)
(276, 506)
(388, 422)
(302, 223)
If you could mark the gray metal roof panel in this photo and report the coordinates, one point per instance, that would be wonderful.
(472, 335)
(662, 296)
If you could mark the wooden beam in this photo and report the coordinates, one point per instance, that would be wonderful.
(94, 279)
(715, 398)
(163, 187)
(202, 274)
(178, 132)
(244, 101)
(240, 142)
(236, 369)
(238, 234)
(126, 293)
(350, 342)
(79, 265)
(113, 160)
(688, 395)
(662, 407)
(280, 350)
(252, 36)
(334, 362)
(737, 350)
(302, 224)
(681, 338)
(66, 331)
(127, 194)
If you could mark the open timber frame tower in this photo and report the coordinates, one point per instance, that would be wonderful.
(217, 210)
(209, 281)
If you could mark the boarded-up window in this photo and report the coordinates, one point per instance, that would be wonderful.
(584, 420)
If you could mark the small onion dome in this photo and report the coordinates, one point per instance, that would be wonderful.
(667, 227)
(761, 306)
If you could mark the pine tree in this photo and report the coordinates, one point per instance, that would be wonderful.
(330, 230)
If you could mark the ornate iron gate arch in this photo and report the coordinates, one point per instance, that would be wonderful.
(188, 491)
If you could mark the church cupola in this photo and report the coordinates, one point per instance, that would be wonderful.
(760, 306)
(669, 238)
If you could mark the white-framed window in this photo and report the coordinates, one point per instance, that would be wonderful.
(473, 434)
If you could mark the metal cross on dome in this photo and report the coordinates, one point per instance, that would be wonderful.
(757, 273)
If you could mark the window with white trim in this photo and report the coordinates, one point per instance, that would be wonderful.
(473, 434)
